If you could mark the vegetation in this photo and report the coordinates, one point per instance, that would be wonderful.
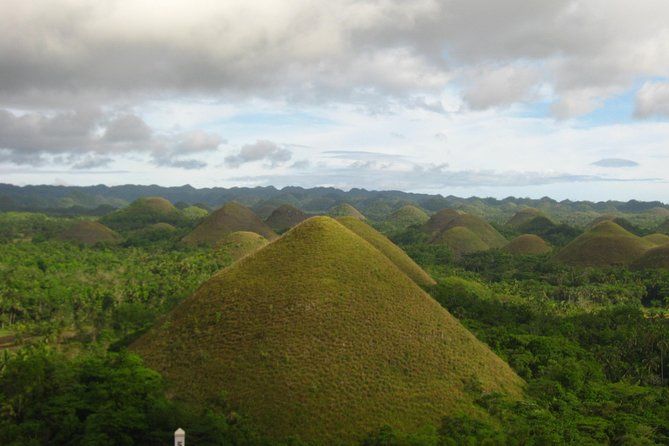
(408, 215)
(524, 216)
(527, 244)
(240, 244)
(345, 210)
(657, 239)
(461, 240)
(483, 230)
(657, 257)
(142, 213)
(230, 218)
(437, 222)
(285, 217)
(89, 232)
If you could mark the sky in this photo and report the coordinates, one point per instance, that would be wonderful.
(560, 98)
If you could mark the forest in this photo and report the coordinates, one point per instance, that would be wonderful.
(590, 342)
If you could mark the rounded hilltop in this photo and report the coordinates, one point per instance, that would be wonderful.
(438, 221)
(320, 336)
(606, 244)
(408, 215)
(232, 217)
(87, 232)
(657, 239)
(483, 230)
(142, 213)
(345, 210)
(240, 244)
(389, 249)
(527, 244)
(524, 216)
(285, 217)
(654, 258)
(461, 241)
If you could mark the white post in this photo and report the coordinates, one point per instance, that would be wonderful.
(179, 437)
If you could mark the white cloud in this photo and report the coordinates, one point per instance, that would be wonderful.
(653, 100)
(261, 150)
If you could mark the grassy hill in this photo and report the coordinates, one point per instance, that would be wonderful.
(319, 335)
(524, 216)
(408, 215)
(489, 235)
(144, 212)
(438, 221)
(657, 239)
(240, 244)
(657, 257)
(461, 240)
(88, 232)
(527, 244)
(345, 210)
(663, 228)
(604, 245)
(389, 249)
(230, 218)
(285, 217)
(557, 235)
(194, 212)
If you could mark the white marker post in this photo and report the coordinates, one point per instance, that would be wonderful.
(179, 437)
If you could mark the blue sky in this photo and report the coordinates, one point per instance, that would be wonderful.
(455, 97)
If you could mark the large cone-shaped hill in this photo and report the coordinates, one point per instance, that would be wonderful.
(606, 244)
(527, 244)
(88, 232)
(241, 243)
(438, 221)
(524, 216)
(657, 239)
(657, 257)
(345, 210)
(230, 218)
(321, 336)
(285, 217)
(408, 215)
(389, 249)
(461, 240)
(142, 213)
(489, 235)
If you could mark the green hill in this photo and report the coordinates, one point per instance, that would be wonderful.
(657, 239)
(524, 216)
(88, 232)
(345, 210)
(654, 258)
(240, 244)
(461, 240)
(389, 249)
(232, 217)
(143, 212)
(663, 228)
(320, 336)
(194, 212)
(408, 215)
(606, 244)
(438, 221)
(478, 226)
(285, 217)
(527, 244)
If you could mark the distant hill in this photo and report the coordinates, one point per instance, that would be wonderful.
(557, 235)
(240, 244)
(319, 335)
(230, 218)
(657, 239)
(389, 249)
(654, 258)
(606, 244)
(524, 216)
(345, 210)
(194, 212)
(461, 241)
(408, 215)
(527, 244)
(663, 228)
(88, 232)
(285, 217)
(439, 220)
(620, 221)
(489, 235)
(142, 213)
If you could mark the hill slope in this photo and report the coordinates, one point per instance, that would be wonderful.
(285, 217)
(478, 226)
(230, 218)
(606, 244)
(143, 212)
(527, 244)
(657, 239)
(408, 215)
(461, 241)
(89, 233)
(389, 249)
(320, 335)
(657, 257)
(241, 243)
(438, 221)
(345, 210)
(524, 216)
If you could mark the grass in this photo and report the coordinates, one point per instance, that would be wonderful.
(489, 235)
(607, 244)
(285, 217)
(230, 218)
(657, 257)
(408, 215)
(345, 210)
(438, 221)
(142, 213)
(657, 239)
(527, 244)
(194, 212)
(321, 336)
(461, 240)
(240, 244)
(664, 227)
(524, 216)
(89, 232)
(389, 249)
